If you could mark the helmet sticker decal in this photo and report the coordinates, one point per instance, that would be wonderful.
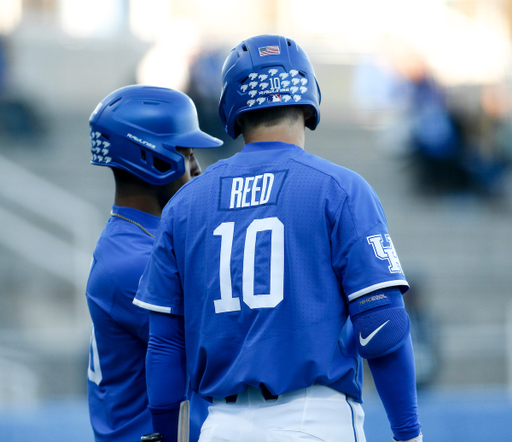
(99, 149)
(272, 87)
(274, 98)
(269, 50)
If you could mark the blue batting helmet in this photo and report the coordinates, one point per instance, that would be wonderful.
(137, 128)
(267, 71)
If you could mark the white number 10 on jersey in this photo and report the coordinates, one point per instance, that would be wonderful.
(228, 303)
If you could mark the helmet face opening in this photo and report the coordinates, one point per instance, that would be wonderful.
(267, 71)
(137, 128)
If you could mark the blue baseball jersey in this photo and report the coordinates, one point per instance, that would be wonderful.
(118, 402)
(261, 254)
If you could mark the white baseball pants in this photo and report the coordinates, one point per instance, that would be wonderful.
(317, 413)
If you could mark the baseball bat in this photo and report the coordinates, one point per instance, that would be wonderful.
(183, 426)
(184, 422)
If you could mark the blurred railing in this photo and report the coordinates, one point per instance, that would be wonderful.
(66, 251)
(56, 231)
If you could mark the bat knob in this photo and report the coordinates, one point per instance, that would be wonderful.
(153, 437)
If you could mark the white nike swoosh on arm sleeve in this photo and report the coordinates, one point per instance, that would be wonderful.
(364, 341)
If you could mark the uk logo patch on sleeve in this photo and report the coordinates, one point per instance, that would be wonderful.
(385, 253)
(269, 50)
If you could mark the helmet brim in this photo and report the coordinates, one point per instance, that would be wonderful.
(196, 140)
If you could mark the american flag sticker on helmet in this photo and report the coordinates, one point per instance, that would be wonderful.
(269, 50)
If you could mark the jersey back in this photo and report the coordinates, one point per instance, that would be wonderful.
(268, 247)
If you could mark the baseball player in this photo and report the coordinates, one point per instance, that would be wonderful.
(147, 136)
(273, 273)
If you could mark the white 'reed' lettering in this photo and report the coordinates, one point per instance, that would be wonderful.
(255, 188)
(236, 192)
(251, 191)
(266, 188)
(247, 188)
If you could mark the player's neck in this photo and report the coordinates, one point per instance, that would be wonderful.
(286, 133)
(140, 201)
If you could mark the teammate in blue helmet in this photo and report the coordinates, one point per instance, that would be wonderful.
(147, 135)
(277, 269)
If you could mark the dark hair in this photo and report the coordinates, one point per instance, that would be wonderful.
(270, 116)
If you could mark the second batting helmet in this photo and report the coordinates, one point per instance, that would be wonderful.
(267, 71)
(137, 128)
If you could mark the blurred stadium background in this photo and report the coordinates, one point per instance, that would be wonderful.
(449, 214)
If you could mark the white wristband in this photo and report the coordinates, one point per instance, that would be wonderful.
(418, 438)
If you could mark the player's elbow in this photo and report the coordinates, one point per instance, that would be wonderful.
(383, 329)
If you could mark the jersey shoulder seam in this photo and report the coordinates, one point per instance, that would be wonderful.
(340, 186)
(346, 200)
